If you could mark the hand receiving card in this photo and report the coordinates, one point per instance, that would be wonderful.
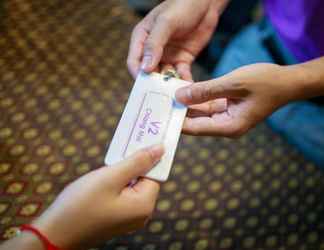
(151, 116)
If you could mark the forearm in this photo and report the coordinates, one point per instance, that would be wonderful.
(307, 79)
(53, 228)
(25, 241)
(220, 5)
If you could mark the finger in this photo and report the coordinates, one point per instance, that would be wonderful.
(208, 108)
(160, 33)
(198, 93)
(223, 87)
(135, 52)
(205, 126)
(196, 40)
(138, 38)
(174, 54)
(147, 187)
(184, 70)
(194, 113)
(144, 194)
(137, 165)
(208, 25)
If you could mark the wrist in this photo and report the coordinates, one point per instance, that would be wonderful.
(30, 241)
(304, 82)
(56, 232)
(64, 232)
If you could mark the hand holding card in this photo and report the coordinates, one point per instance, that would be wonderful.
(151, 116)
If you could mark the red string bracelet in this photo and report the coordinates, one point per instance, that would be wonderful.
(48, 245)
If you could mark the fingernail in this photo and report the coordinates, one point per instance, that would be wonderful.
(223, 106)
(147, 61)
(183, 95)
(156, 152)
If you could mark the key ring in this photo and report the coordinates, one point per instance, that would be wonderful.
(170, 73)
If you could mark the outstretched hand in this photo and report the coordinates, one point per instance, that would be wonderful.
(102, 204)
(173, 34)
(231, 105)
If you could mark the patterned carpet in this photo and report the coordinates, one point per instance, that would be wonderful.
(63, 85)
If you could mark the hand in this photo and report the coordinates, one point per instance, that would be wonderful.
(231, 105)
(101, 204)
(173, 34)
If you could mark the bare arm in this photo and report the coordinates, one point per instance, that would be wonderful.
(96, 224)
(309, 77)
(173, 34)
(25, 241)
(234, 103)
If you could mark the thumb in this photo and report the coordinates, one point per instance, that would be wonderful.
(224, 87)
(138, 164)
(160, 33)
